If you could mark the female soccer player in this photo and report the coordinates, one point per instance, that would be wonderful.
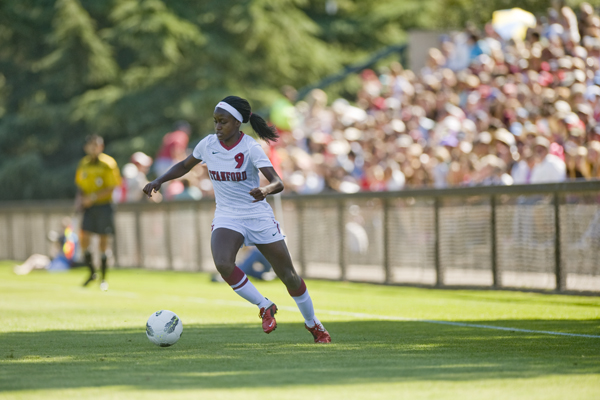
(243, 216)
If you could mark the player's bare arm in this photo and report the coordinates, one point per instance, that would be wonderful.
(176, 171)
(275, 185)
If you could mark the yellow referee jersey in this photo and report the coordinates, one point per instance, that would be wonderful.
(95, 175)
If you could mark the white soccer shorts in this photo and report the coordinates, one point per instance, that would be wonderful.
(262, 230)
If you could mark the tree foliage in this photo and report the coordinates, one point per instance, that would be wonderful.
(126, 69)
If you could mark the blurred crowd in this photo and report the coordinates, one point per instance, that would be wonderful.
(142, 167)
(486, 109)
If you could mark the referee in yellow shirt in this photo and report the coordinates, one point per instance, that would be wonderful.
(96, 177)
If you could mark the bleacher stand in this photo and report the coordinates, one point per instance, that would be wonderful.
(483, 111)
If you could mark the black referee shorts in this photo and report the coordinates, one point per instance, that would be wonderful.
(99, 219)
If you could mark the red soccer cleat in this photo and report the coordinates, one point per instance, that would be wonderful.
(319, 333)
(268, 318)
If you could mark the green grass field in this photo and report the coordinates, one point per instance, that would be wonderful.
(59, 340)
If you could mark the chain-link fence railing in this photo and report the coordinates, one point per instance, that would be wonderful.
(536, 236)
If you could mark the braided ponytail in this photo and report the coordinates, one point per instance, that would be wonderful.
(260, 126)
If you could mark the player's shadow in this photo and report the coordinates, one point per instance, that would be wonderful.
(240, 355)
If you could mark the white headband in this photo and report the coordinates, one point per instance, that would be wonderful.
(231, 110)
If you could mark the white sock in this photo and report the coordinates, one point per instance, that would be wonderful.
(248, 291)
(305, 305)
(265, 303)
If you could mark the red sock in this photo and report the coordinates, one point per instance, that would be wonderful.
(236, 278)
(300, 291)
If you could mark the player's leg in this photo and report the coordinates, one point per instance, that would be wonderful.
(84, 240)
(104, 246)
(279, 257)
(225, 244)
(89, 227)
(105, 226)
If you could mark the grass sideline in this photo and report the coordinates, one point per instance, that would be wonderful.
(59, 340)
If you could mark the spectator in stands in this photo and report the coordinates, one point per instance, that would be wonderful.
(506, 147)
(521, 171)
(548, 167)
(531, 103)
(173, 148)
(491, 171)
(593, 157)
(576, 161)
(442, 168)
(188, 192)
(134, 178)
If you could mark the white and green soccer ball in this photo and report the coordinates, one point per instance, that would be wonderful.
(164, 328)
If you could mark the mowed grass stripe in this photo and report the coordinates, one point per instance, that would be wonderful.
(229, 303)
(58, 340)
(233, 303)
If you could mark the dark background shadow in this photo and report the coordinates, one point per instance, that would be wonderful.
(239, 355)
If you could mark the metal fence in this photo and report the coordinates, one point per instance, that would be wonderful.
(543, 237)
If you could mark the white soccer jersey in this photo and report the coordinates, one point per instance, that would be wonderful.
(234, 173)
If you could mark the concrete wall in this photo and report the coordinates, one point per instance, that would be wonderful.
(419, 43)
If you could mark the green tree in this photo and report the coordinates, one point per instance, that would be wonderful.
(51, 54)
(126, 69)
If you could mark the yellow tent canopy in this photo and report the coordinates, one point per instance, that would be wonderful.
(512, 23)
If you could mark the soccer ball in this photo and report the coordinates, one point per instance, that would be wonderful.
(164, 328)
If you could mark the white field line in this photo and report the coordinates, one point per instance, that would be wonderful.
(392, 318)
(463, 324)
(231, 303)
